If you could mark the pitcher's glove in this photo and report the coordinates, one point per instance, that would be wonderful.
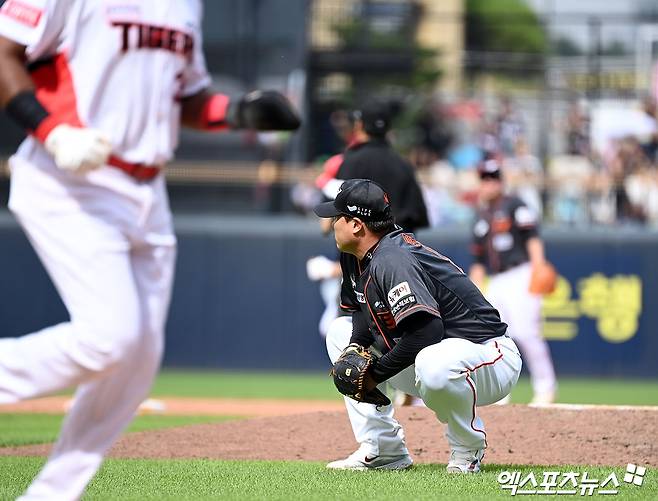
(349, 372)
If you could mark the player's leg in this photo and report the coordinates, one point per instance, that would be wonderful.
(330, 292)
(380, 436)
(524, 320)
(446, 382)
(94, 278)
(103, 407)
(96, 284)
(497, 293)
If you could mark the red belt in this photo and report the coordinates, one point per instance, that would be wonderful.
(142, 172)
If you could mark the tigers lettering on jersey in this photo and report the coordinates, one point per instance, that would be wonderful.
(124, 35)
(144, 36)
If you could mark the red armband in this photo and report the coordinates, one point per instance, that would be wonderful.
(213, 114)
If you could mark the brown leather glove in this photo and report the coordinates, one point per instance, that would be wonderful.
(349, 372)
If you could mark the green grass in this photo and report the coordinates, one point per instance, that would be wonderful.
(596, 391)
(246, 480)
(209, 384)
(318, 386)
(25, 429)
(278, 480)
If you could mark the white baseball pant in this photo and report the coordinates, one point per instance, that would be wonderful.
(521, 311)
(107, 243)
(452, 377)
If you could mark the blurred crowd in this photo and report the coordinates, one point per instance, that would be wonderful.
(609, 181)
(612, 182)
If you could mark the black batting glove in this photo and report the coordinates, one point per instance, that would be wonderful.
(263, 110)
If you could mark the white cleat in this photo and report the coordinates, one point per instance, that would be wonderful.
(465, 462)
(541, 399)
(360, 461)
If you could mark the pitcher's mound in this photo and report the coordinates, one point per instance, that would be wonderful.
(516, 435)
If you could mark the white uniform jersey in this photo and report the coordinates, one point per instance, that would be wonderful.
(83, 54)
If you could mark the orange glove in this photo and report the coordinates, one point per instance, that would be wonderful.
(543, 279)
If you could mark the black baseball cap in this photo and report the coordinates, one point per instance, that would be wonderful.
(489, 169)
(360, 198)
(375, 115)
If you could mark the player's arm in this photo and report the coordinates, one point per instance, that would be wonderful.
(419, 331)
(478, 271)
(414, 309)
(17, 93)
(14, 78)
(73, 148)
(260, 110)
(361, 334)
(527, 222)
(535, 248)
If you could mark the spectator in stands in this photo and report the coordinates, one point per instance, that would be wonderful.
(524, 176)
(509, 126)
(577, 130)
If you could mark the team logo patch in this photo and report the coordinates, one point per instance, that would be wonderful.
(360, 211)
(398, 292)
(22, 12)
(409, 239)
(360, 297)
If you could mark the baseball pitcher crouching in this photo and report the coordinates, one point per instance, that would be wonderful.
(102, 89)
(440, 339)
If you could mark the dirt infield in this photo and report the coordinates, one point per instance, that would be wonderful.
(295, 430)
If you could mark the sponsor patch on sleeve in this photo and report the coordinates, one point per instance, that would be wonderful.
(398, 292)
(22, 12)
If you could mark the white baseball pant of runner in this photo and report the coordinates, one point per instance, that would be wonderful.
(107, 243)
(452, 377)
(521, 311)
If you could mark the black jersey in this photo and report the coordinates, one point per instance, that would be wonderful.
(400, 276)
(376, 160)
(500, 234)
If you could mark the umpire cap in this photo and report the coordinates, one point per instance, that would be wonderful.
(360, 198)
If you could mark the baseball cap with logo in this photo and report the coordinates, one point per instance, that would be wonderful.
(360, 198)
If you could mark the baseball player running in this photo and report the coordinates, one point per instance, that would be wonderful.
(439, 338)
(102, 87)
(506, 243)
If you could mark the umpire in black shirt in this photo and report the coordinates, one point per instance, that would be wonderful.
(440, 338)
(370, 156)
